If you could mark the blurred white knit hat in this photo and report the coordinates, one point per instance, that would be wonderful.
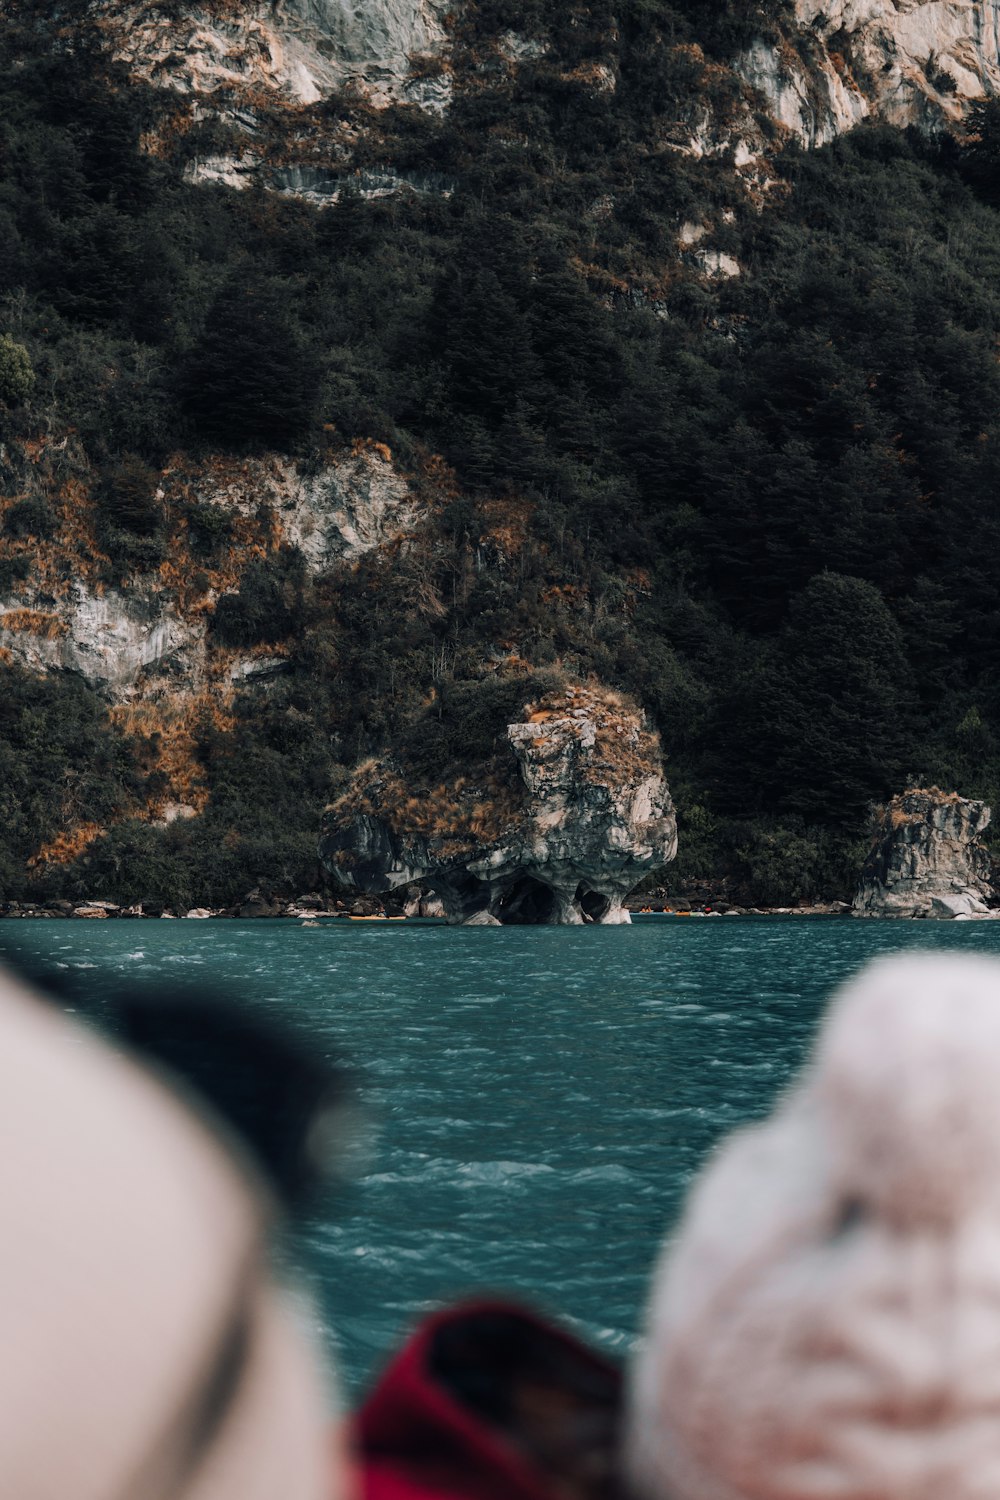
(827, 1324)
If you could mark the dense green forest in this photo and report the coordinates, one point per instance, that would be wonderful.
(764, 505)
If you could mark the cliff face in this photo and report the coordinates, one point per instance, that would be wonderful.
(295, 50)
(926, 860)
(573, 277)
(907, 62)
(151, 633)
(558, 832)
(833, 64)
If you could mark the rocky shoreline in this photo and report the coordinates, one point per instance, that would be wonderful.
(315, 908)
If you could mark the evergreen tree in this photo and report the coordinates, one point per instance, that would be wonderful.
(828, 724)
(979, 157)
(251, 377)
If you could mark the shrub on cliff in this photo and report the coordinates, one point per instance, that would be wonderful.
(17, 375)
(210, 528)
(127, 497)
(268, 605)
(466, 724)
(130, 517)
(61, 762)
(32, 516)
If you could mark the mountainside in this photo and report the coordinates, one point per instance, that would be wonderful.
(358, 361)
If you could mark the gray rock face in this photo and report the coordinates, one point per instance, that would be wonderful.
(343, 511)
(378, 33)
(584, 815)
(301, 50)
(109, 638)
(908, 62)
(926, 860)
(136, 640)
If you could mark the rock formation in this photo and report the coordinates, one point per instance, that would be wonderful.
(298, 50)
(827, 66)
(120, 639)
(558, 828)
(926, 860)
(908, 62)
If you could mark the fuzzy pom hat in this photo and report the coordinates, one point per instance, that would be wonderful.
(827, 1324)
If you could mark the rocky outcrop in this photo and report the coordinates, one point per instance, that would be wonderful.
(107, 636)
(565, 822)
(926, 860)
(907, 62)
(338, 512)
(146, 632)
(295, 50)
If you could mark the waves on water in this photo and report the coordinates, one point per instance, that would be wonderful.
(543, 1096)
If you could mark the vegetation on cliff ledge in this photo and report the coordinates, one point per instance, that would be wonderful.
(761, 505)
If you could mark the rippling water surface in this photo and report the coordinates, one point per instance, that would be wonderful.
(544, 1095)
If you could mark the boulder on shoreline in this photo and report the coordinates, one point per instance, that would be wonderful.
(926, 859)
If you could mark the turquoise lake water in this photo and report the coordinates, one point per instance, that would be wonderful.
(543, 1096)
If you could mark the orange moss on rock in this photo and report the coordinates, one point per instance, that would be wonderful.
(66, 846)
(895, 814)
(168, 729)
(506, 522)
(455, 817)
(624, 752)
(71, 553)
(47, 627)
(461, 816)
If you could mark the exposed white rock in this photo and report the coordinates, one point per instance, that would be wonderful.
(335, 512)
(927, 860)
(909, 62)
(961, 908)
(592, 816)
(128, 641)
(301, 50)
(519, 48)
(226, 171)
(174, 812)
(257, 668)
(718, 263)
(348, 509)
(324, 187)
(814, 103)
(109, 638)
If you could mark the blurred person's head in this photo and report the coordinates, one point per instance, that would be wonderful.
(827, 1324)
(147, 1350)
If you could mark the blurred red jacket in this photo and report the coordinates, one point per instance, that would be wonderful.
(489, 1402)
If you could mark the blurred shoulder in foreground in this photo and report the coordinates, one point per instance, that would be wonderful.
(149, 1353)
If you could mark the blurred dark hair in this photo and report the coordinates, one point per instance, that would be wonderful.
(293, 1110)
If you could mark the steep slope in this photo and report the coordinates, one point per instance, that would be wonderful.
(532, 341)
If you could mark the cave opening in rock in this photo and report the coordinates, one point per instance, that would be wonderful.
(528, 903)
(592, 903)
